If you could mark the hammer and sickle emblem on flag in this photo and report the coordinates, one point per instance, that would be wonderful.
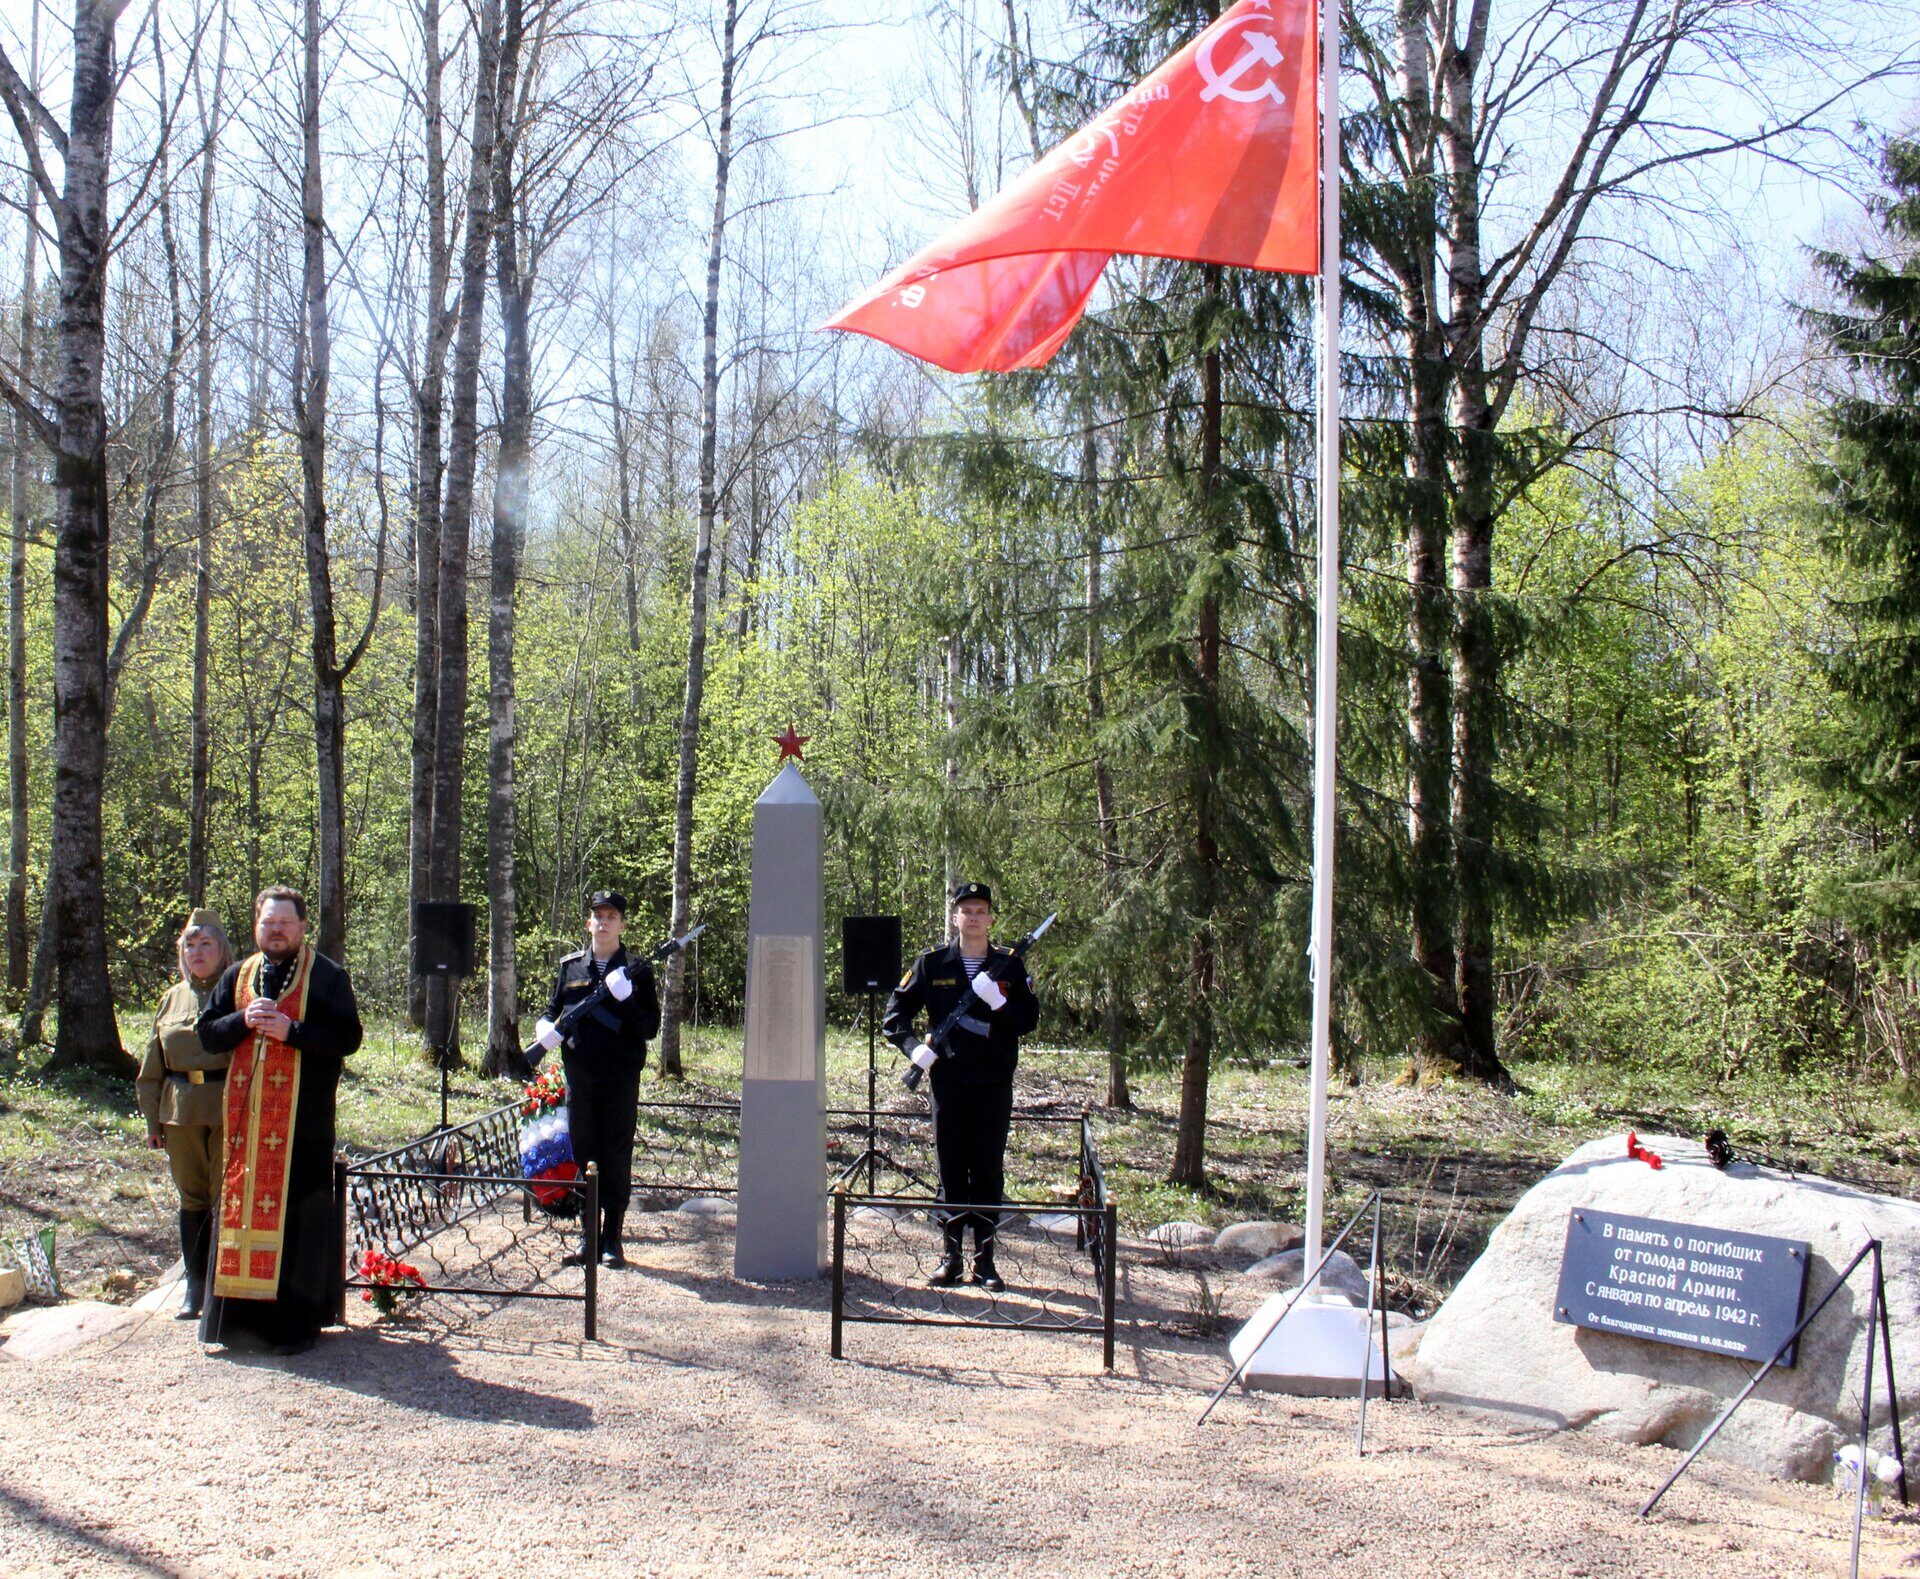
(1260, 50)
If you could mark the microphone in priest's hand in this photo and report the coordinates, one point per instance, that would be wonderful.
(549, 1036)
(988, 989)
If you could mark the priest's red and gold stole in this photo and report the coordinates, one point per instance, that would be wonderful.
(263, 1083)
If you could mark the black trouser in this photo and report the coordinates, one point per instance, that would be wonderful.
(603, 1108)
(970, 1125)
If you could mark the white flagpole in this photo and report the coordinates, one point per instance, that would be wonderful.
(1326, 679)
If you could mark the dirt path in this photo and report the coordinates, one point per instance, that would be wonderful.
(708, 1430)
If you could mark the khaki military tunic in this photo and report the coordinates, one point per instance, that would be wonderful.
(182, 1087)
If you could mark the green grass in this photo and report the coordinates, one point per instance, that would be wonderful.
(1452, 1159)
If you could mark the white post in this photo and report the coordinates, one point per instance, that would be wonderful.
(1326, 679)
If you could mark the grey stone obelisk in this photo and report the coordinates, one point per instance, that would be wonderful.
(783, 1128)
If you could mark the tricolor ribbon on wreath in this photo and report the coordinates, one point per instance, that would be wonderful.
(546, 1145)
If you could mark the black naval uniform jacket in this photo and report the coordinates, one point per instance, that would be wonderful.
(936, 982)
(603, 1056)
(611, 1038)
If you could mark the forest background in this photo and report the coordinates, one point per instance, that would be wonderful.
(426, 481)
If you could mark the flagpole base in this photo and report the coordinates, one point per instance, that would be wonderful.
(1318, 1351)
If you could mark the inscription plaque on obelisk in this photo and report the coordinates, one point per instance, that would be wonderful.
(783, 1134)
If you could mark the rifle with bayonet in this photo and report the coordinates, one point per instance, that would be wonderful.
(939, 1042)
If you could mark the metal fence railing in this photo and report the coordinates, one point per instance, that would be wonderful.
(453, 1206)
(405, 1233)
(1056, 1258)
(683, 1149)
(403, 1197)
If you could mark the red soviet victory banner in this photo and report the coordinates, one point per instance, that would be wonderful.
(1213, 158)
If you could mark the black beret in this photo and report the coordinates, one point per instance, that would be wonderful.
(610, 897)
(978, 891)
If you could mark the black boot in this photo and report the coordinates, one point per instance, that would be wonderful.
(953, 1266)
(984, 1275)
(193, 1258)
(611, 1251)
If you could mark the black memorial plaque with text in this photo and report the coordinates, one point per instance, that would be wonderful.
(1702, 1288)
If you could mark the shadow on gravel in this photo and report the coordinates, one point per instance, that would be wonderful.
(36, 1514)
(422, 1373)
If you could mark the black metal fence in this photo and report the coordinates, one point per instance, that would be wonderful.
(454, 1210)
(454, 1206)
(1056, 1258)
(683, 1149)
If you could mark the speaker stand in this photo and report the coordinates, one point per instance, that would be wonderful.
(873, 1155)
(443, 1054)
(873, 1076)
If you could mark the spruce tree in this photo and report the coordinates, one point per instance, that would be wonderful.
(1870, 479)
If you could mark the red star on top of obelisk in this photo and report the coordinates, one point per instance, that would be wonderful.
(790, 744)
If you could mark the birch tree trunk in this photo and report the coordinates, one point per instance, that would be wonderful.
(201, 749)
(313, 365)
(456, 520)
(1436, 1048)
(675, 1005)
(21, 507)
(429, 399)
(509, 533)
(623, 438)
(87, 1033)
(167, 441)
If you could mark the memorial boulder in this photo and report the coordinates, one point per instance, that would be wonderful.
(1713, 1263)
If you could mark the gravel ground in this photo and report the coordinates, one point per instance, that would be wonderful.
(708, 1430)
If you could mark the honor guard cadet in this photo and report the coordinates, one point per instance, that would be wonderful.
(603, 1055)
(972, 1075)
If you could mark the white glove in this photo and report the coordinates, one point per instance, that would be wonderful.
(989, 991)
(547, 1035)
(924, 1055)
(620, 984)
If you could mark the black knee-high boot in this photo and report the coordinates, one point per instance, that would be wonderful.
(612, 1252)
(984, 1272)
(193, 1257)
(952, 1268)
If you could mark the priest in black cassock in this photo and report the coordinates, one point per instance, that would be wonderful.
(288, 1017)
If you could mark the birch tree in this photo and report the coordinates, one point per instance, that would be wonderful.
(437, 325)
(1502, 154)
(767, 27)
(199, 767)
(312, 378)
(76, 432)
(456, 515)
(26, 440)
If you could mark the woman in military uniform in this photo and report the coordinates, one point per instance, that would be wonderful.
(182, 1089)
